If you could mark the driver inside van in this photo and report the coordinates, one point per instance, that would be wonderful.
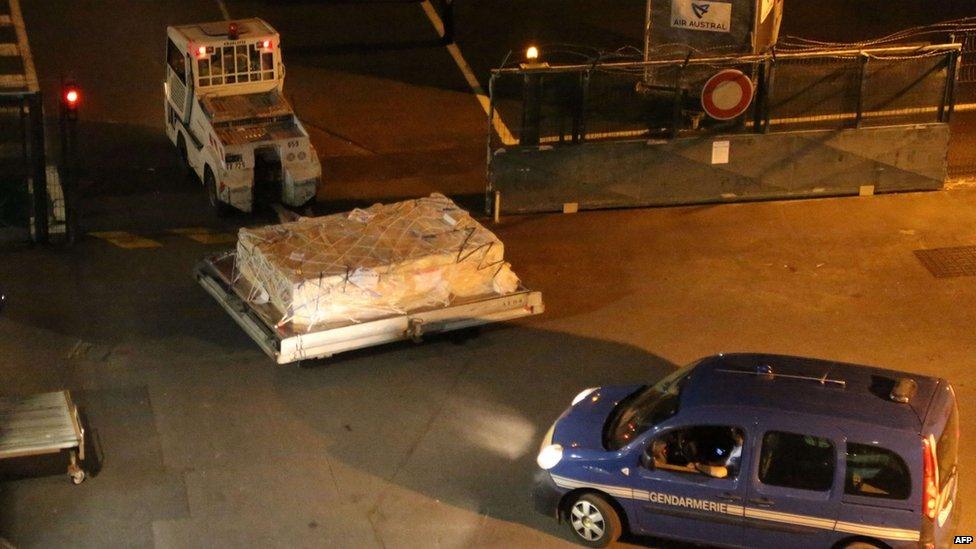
(712, 451)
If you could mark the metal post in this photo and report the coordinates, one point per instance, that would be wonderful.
(947, 103)
(676, 102)
(67, 124)
(647, 42)
(770, 82)
(862, 72)
(531, 109)
(579, 114)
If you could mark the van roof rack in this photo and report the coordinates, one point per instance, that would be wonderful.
(766, 371)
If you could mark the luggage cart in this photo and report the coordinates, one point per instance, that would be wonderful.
(284, 345)
(46, 423)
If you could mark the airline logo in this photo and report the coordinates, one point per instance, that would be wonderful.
(701, 15)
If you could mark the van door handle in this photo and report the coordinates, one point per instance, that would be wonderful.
(761, 502)
(728, 496)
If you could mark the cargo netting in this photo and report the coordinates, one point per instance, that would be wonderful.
(374, 262)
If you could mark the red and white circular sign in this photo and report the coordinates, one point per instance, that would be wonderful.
(727, 94)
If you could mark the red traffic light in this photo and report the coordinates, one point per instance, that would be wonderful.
(71, 96)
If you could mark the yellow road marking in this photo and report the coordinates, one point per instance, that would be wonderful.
(496, 120)
(204, 235)
(5, 21)
(126, 240)
(9, 50)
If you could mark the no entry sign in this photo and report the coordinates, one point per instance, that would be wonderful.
(727, 94)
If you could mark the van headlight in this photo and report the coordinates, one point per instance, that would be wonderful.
(583, 394)
(549, 456)
(549, 453)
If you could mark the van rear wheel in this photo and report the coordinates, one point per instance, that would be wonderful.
(593, 521)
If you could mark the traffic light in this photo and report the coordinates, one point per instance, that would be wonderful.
(70, 98)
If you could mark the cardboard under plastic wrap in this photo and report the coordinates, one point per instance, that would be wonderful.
(373, 262)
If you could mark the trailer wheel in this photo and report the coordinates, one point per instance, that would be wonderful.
(210, 183)
(77, 476)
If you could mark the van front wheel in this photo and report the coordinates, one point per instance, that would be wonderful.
(210, 184)
(593, 521)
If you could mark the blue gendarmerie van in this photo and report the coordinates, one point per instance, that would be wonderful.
(755, 450)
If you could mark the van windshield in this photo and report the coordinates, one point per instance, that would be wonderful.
(644, 409)
(235, 64)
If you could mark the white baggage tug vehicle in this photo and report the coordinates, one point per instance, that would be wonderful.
(226, 114)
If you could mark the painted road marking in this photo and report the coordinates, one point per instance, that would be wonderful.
(126, 240)
(9, 50)
(205, 236)
(18, 21)
(5, 21)
(496, 120)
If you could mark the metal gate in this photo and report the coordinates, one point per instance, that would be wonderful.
(823, 121)
(967, 67)
(24, 201)
(962, 147)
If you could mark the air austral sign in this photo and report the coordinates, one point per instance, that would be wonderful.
(701, 15)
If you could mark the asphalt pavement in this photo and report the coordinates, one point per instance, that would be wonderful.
(202, 441)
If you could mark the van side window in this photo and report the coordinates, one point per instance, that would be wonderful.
(176, 60)
(711, 450)
(797, 461)
(947, 448)
(876, 472)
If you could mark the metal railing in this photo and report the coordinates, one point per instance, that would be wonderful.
(806, 89)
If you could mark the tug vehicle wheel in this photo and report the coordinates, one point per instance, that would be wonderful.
(210, 183)
(181, 151)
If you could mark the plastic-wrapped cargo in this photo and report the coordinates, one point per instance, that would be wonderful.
(373, 262)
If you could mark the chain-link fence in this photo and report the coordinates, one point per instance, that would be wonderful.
(825, 89)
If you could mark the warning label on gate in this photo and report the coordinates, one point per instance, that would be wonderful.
(701, 15)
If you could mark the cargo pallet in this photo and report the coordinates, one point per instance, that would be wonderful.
(286, 345)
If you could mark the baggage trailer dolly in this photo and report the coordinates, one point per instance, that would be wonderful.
(46, 423)
(218, 277)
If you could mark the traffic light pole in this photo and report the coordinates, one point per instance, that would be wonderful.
(67, 124)
(647, 43)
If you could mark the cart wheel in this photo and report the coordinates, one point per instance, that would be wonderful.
(77, 476)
